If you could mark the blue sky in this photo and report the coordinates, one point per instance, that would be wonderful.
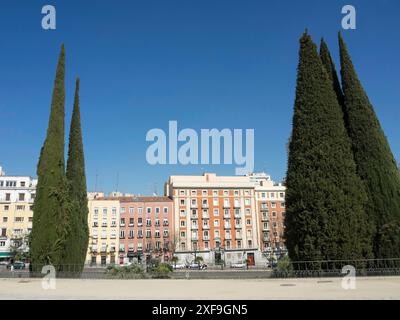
(207, 64)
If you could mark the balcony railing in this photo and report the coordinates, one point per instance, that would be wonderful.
(206, 227)
(227, 226)
(193, 205)
(238, 226)
(206, 216)
(205, 206)
(226, 206)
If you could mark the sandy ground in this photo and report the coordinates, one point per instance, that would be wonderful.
(327, 288)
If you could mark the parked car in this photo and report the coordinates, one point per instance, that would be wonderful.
(239, 265)
(198, 266)
(18, 265)
(178, 266)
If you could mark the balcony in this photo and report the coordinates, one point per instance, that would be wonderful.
(104, 225)
(206, 216)
(265, 228)
(166, 224)
(206, 238)
(238, 226)
(193, 205)
(122, 224)
(226, 206)
(238, 237)
(227, 226)
(228, 237)
(237, 205)
(237, 215)
(205, 206)
(195, 227)
(194, 216)
(264, 218)
(264, 209)
(206, 227)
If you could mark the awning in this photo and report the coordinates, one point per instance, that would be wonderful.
(5, 254)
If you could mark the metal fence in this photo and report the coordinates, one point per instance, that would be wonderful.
(297, 269)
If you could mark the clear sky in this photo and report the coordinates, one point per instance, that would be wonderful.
(207, 64)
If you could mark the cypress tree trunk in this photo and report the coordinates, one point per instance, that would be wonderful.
(325, 217)
(51, 201)
(77, 241)
(375, 162)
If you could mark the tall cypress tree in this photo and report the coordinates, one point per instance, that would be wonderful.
(78, 233)
(330, 68)
(375, 162)
(51, 201)
(325, 217)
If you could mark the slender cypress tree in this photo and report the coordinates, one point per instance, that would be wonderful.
(51, 201)
(375, 162)
(325, 217)
(330, 68)
(78, 233)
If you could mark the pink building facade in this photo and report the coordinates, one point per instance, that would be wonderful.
(146, 229)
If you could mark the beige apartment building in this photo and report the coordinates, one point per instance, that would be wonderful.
(103, 220)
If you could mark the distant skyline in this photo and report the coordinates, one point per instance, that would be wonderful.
(206, 64)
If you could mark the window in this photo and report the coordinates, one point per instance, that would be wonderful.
(140, 222)
(226, 192)
(216, 212)
(158, 210)
(140, 210)
(182, 213)
(131, 221)
(248, 222)
(165, 222)
(236, 192)
(114, 212)
(131, 233)
(250, 243)
(282, 194)
(216, 234)
(166, 233)
(273, 204)
(182, 192)
(5, 219)
(113, 223)
(122, 222)
(263, 195)
(183, 234)
(8, 196)
(182, 201)
(183, 246)
(148, 210)
(215, 192)
(20, 208)
(274, 213)
(246, 192)
(157, 223)
(21, 196)
(22, 183)
(140, 233)
(206, 245)
(205, 192)
(6, 208)
(2, 243)
(215, 201)
(249, 233)
(239, 244)
(194, 192)
(131, 209)
(122, 210)
(272, 194)
(30, 219)
(247, 202)
(157, 233)
(282, 204)
(96, 211)
(216, 223)
(148, 233)
(148, 222)
(165, 209)
(33, 195)
(248, 213)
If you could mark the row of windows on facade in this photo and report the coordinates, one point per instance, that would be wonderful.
(17, 219)
(21, 196)
(15, 232)
(157, 222)
(18, 208)
(131, 246)
(227, 212)
(217, 244)
(227, 224)
(206, 234)
(131, 234)
(12, 183)
(226, 193)
(247, 202)
(131, 210)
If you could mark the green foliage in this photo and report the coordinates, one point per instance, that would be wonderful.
(134, 271)
(284, 266)
(78, 233)
(161, 271)
(325, 198)
(375, 162)
(49, 227)
(198, 260)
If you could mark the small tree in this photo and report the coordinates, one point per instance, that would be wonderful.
(174, 260)
(198, 260)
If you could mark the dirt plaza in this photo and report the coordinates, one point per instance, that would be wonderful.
(310, 288)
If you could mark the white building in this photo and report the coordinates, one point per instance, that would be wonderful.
(17, 194)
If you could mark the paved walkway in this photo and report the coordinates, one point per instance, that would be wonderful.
(326, 288)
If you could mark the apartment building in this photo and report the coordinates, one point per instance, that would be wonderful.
(216, 218)
(146, 228)
(103, 220)
(17, 194)
(270, 202)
